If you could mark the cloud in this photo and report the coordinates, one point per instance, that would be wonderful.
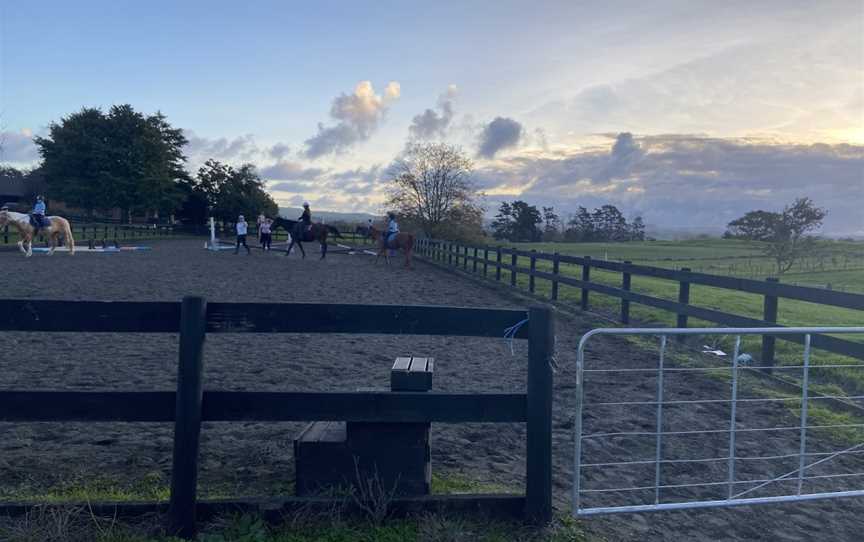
(688, 181)
(358, 116)
(499, 134)
(201, 149)
(18, 147)
(285, 170)
(431, 123)
(279, 151)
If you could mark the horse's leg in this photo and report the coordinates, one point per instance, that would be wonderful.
(29, 243)
(324, 245)
(302, 251)
(21, 246)
(54, 239)
(290, 246)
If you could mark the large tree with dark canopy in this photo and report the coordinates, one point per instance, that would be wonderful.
(96, 161)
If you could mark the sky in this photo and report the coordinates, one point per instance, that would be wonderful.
(686, 113)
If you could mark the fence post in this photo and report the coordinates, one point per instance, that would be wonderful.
(187, 418)
(498, 263)
(513, 260)
(474, 265)
(465, 259)
(485, 261)
(6, 235)
(449, 253)
(556, 264)
(625, 303)
(769, 315)
(538, 463)
(532, 267)
(684, 299)
(586, 277)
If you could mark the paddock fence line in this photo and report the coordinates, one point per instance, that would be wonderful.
(502, 264)
(659, 478)
(191, 405)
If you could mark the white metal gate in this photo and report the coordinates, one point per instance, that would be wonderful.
(664, 480)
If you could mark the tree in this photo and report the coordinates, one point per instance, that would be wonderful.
(502, 226)
(580, 226)
(229, 192)
(783, 235)
(551, 224)
(431, 185)
(98, 161)
(754, 226)
(637, 229)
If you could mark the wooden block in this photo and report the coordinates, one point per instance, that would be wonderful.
(417, 376)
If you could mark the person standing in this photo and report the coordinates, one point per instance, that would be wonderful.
(259, 223)
(266, 234)
(242, 228)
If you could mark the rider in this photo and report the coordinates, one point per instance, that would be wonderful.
(392, 227)
(305, 220)
(39, 214)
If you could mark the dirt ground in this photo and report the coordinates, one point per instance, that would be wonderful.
(256, 458)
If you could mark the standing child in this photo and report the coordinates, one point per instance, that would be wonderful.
(242, 228)
(266, 234)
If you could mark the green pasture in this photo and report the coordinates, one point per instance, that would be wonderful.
(701, 255)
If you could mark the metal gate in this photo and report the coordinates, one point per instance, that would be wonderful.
(819, 460)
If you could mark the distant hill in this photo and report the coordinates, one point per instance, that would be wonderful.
(329, 216)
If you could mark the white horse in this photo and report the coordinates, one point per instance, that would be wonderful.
(56, 226)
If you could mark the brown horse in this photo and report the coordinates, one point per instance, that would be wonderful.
(316, 232)
(56, 226)
(400, 241)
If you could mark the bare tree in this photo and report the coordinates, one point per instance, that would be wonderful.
(431, 184)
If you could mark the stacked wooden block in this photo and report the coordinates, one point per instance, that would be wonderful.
(397, 456)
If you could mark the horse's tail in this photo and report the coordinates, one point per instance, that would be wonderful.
(334, 231)
(67, 233)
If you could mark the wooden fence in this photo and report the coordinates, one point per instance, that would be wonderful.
(496, 262)
(191, 405)
(107, 233)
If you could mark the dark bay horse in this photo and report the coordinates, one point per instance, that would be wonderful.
(317, 232)
(400, 241)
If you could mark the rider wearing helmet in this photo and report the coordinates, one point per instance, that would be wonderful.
(39, 213)
(392, 227)
(305, 221)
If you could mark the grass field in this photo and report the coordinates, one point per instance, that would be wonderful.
(841, 265)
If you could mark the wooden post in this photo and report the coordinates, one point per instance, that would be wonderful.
(6, 234)
(485, 261)
(538, 463)
(556, 264)
(474, 266)
(625, 303)
(769, 315)
(449, 253)
(513, 260)
(465, 260)
(586, 277)
(498, 264)
(187, 418)
(684, 299)
(532, 267)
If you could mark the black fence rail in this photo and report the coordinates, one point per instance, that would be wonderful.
(111, 233)
(190, 405)
(503, 261)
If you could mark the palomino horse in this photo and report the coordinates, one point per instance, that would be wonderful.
(400, 241)
(56, 227)
(316, 232)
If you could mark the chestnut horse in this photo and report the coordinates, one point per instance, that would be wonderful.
(316, 232)
(400, 241)
(56, 226)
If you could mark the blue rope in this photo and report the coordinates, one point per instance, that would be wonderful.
(510, 334)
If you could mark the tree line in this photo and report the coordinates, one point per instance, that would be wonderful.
(97, 161)
(519, 221)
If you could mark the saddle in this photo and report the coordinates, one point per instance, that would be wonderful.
(38, 222)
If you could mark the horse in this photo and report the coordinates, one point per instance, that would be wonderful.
(316, 232)
(56, 227)
(363, 231)
(401, 241)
